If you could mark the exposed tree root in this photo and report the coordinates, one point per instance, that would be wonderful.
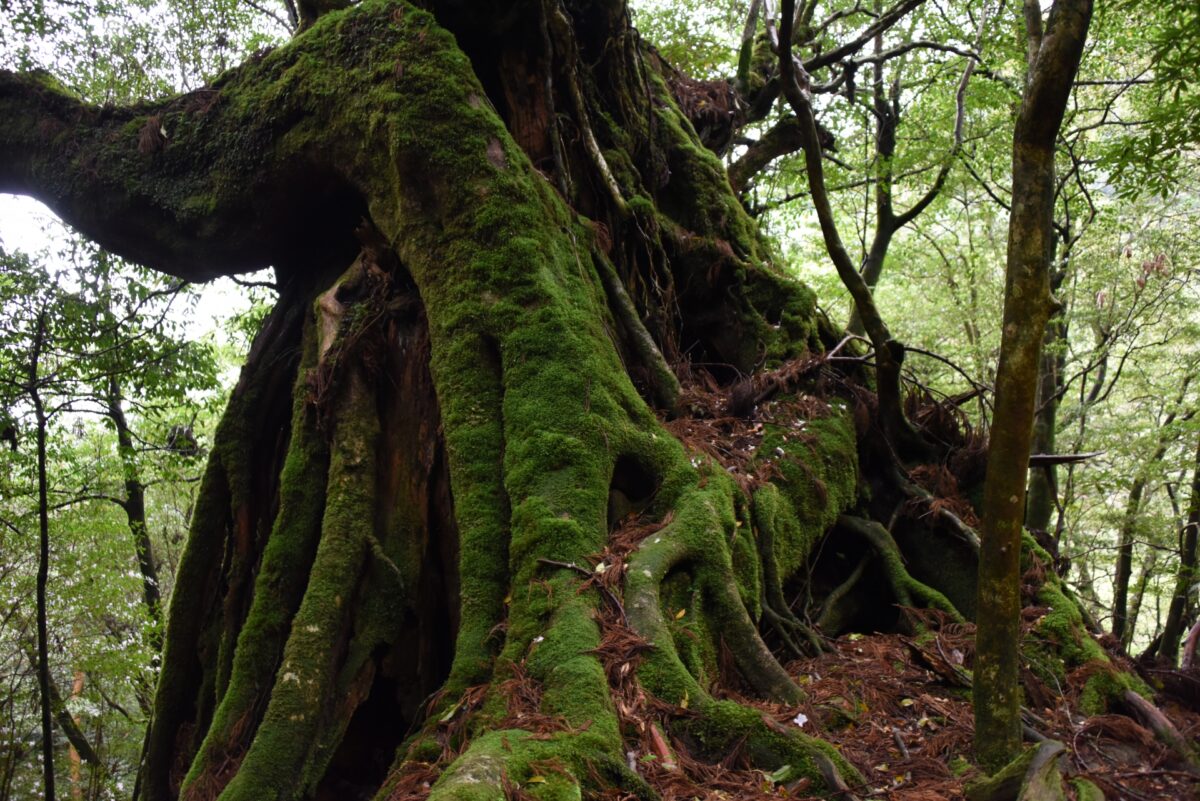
(908, 591)
(1162, 727)
(664, 386)
(281, 579)
(715, 725)
(775, 608)
(287, 747)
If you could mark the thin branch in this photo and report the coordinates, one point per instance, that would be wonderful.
(886, 21)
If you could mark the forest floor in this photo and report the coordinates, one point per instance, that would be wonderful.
(899, 709)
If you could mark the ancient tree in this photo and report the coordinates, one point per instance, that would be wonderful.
(465, 521)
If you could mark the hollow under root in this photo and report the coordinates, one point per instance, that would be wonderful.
(906, 589)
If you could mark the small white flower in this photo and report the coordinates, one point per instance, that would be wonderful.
(800, 719)
(538, 639)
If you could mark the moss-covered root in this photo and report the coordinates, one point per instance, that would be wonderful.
(697, 536)
(274, 766)
(1164, 729)
(717, 726)
(768, 514)
(513, 763)
(664, 385)
(572, 735)
(907, 590)
(187, 683)
(1086, 790)
(277, 590)
(1035, 775)
(1062, 644)
(470, 386)
(570, 739)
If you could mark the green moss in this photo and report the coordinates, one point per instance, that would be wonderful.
(1006, 782)
(960, 766)
(817, 480)
(300, 703)
(1085, 790)
(549, 768)
(723, 724)
(280, 581)
(747, 565)
(1063, 644)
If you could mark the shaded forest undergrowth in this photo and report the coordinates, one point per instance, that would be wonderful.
(897, 707)
(895, 702)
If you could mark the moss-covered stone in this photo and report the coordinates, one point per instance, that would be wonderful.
(1063, 644)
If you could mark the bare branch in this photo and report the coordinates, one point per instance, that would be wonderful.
(886, 21)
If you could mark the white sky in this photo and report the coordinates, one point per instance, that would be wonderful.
(27, 225)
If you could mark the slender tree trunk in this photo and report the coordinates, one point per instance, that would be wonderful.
(1187, 576)
(1123, 570)
(43, 652)
(1139, 592)
(135, 511)
(1127, 534)
(76, 761)
(1042, 498)
(887, 117)
(1027, 306)
(889, 353)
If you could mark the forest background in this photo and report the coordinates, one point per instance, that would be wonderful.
(132, 374)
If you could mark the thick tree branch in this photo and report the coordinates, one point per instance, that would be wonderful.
(190, 186)
(783, 137)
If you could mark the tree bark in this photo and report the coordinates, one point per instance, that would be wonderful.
(1042, 497)
(43, 652)
(1027, 307)
(1186, 578)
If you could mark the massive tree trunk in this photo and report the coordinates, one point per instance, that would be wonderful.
(462, 520)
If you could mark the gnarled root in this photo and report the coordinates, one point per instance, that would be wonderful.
(907, 590)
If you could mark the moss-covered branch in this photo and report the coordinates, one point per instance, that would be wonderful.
(186, 185)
